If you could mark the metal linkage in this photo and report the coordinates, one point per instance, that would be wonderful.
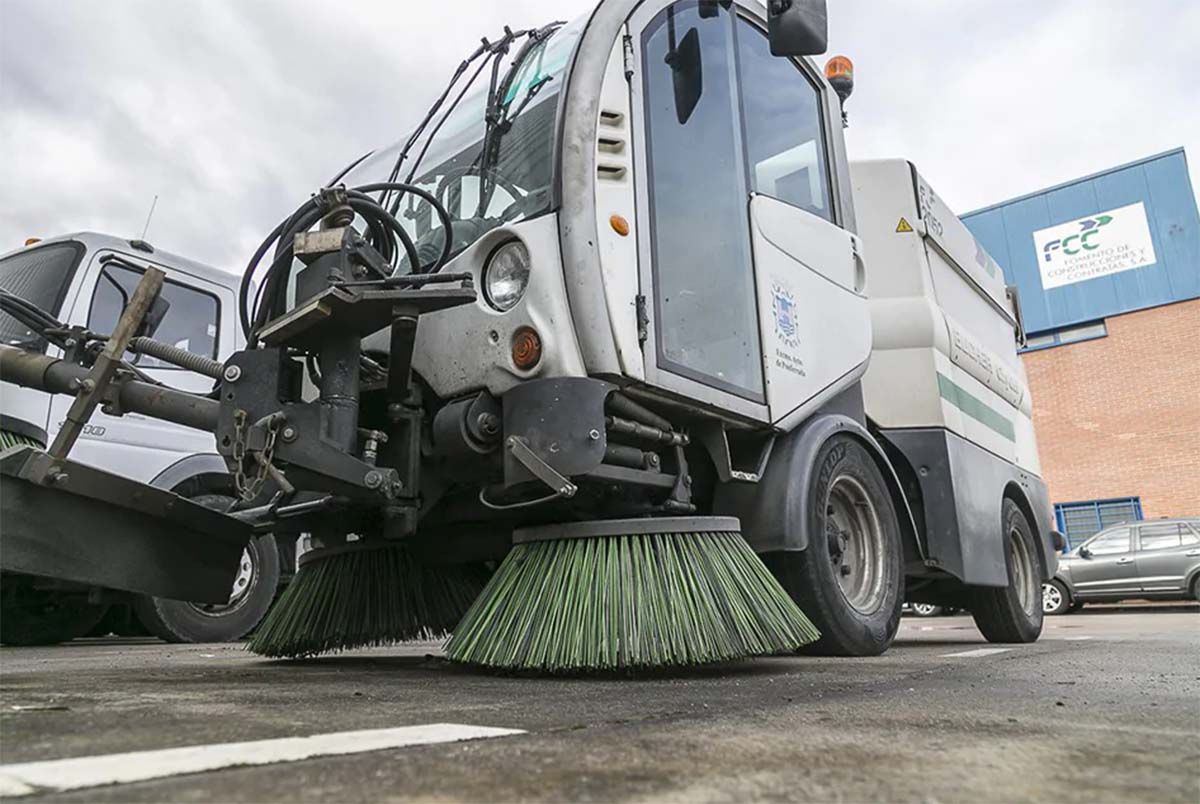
(176, 356)
(91, 388)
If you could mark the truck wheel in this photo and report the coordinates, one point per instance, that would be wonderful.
(40, 617)
(926, 610)
(1012, 613)
(849, 580)
(251, 597)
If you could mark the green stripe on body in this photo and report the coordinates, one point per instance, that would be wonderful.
(974, 407)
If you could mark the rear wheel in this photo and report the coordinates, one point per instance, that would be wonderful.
(926, 609)
(849, 581)
(1012, 613)
(251, 596)
(1055, 598)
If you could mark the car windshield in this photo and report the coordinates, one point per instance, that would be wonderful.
(482, 192)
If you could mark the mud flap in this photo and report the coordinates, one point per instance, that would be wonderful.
(65, 520)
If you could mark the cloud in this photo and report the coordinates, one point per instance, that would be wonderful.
(233, 112)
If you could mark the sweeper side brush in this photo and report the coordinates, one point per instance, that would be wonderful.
(626, 595)
(362, 595)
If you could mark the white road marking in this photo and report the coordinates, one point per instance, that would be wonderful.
(23, 778)
(1076, 638)
(978, 653)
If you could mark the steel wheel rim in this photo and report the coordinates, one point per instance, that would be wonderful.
(246, 579)
(1024, 580)
(854, 536)
(1051, 598)
(923, 608)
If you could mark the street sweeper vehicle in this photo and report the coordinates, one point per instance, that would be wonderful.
(574, 373)
(85, 279)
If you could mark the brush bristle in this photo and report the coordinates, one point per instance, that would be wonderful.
(629, 602)
(365, 598)
(11, 439)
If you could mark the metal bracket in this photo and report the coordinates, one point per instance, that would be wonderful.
(540, 469)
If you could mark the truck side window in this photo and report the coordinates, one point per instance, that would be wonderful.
(785, 141)
(706, 317)
(191, 320)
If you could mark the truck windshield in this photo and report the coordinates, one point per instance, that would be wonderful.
(39, 275)
(482, 191)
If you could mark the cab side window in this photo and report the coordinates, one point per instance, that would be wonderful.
(190, 322)
(1110, 544)
(785, 141)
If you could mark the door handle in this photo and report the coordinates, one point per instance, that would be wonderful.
(1124, 560)
(1192, 553)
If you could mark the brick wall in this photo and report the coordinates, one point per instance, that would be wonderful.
(1120, 416)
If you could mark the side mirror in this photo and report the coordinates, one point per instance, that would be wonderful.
(1084, 552)
(797, 27)
(154, 317)
(687, 74)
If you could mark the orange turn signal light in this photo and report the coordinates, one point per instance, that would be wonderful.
(29, 241)
(619, 225)
(526, 348)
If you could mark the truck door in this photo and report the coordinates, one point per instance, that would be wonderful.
(754, 293)
(135, 445)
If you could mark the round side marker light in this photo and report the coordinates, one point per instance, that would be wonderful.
(619, 225)
(526, 348)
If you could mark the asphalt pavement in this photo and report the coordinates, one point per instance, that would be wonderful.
(1105, 707)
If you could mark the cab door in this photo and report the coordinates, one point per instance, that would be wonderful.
(754, 287)
(134, 445)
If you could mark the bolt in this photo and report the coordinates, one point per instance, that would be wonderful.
(594, 434)
(55, 476)
(288, 434)
(233, 373)
(488, 423)
(652, 459)
(373, 479)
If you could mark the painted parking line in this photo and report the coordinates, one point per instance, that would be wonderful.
(975, 654)
(24, 778)
(1076, 638)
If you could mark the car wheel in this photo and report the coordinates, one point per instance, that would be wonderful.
(1012, 613)
(1055, 598)
(31, 616)
(1196, 588)
(849, 581)
(926, 609)
(251, 596)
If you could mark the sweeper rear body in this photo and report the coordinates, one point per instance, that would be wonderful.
(604, 320)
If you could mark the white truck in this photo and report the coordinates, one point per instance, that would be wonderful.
(85, 279)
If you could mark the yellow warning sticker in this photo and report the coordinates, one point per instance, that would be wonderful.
(903, 226)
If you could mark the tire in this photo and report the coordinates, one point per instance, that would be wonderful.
(1196, 588)
(849, 580)
(1055, 598)
(251, 598)
(1012, 613)
(30, 616)
(926, 610)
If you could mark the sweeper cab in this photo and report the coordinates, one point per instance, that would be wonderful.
(605, 317)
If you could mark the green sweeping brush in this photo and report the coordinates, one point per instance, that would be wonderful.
(364, 594)
(627, 595)
(11, 439)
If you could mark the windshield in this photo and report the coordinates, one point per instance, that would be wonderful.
(482, 191)
(38, 275)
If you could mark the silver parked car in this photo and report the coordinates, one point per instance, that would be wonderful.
(1157, 559)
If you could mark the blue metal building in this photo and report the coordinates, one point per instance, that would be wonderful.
(1117, 242)
(1073, 214)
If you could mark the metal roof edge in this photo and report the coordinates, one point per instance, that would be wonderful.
(1089, 177)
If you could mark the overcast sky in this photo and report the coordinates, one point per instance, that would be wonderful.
(233, 111)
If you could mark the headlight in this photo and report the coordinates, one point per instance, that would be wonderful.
(506, 275)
